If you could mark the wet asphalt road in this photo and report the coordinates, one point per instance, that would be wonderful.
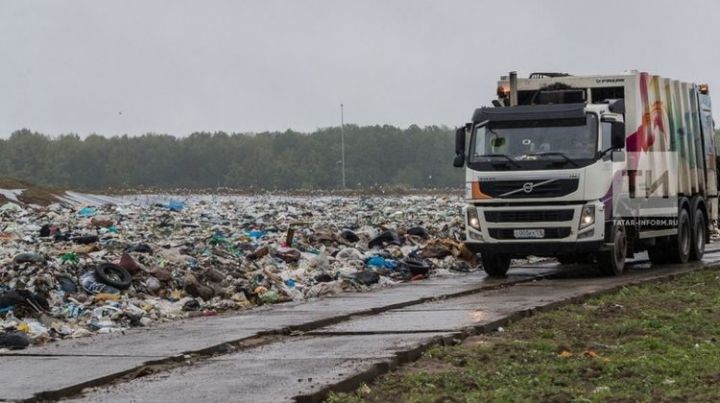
(296, 351)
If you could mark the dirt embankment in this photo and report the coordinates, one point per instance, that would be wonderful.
(31, 194)
(39, 195)
(227, 191)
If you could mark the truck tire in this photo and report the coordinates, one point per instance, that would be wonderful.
(495, 265)
(698, 235)
(681, 244)
(612, 261)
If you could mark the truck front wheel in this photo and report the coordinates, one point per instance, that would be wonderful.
(612, 261)
(495, 265)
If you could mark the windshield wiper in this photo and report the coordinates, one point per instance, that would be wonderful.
(567, 159)
(502, 156)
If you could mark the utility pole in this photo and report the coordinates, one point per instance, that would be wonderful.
(342, 142)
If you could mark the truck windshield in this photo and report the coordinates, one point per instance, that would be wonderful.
(560, 140)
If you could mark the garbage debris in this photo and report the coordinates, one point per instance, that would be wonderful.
(70, 271)
(367, 277)
(379, 261)
(175, 205)
(418, 231)
(29, 258)
(14, 340)
(86, 212)
(385, 238)
(417, 266)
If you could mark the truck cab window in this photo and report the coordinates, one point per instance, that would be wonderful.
(574, 138)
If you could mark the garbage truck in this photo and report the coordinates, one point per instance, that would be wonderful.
(590, 169)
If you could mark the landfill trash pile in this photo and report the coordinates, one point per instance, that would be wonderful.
(68, 271)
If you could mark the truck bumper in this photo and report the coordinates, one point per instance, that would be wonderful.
(523, 249)
(496, 226)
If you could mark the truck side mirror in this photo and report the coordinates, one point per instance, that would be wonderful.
(459, 147)
(617, 135)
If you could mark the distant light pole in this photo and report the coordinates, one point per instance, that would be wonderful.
(342, 142)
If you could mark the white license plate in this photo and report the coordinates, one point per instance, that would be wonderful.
(529, 233)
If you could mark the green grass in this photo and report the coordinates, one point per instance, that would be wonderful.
(657, 342)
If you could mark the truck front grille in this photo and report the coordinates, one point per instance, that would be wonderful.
(523, 189)
(550, 233)
(528, 215)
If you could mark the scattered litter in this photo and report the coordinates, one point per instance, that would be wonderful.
(14, 340)
(69, 270)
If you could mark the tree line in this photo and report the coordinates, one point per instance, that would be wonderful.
(375, 156)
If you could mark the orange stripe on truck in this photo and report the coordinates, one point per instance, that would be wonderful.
(477, 193)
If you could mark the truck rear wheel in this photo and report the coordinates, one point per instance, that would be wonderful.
(698, 235)
(680, 244)
(612, 262)
(495, 265)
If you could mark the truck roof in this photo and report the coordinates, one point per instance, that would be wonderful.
(537, 81)
(591, 81)
(545, 88)
(529, 112)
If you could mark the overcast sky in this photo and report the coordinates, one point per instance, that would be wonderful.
(131, 67)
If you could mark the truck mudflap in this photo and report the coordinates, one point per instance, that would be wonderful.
(523, 249)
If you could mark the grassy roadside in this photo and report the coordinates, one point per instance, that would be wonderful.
(656, 342)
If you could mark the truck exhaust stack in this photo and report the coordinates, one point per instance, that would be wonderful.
(513, 89)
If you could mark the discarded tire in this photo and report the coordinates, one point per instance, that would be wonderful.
(385, 238)
(29, 258)
(191, 305)
(417, 266)
(113, 275)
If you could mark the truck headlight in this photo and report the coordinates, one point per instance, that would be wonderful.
(587, 216)
(472, 217)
